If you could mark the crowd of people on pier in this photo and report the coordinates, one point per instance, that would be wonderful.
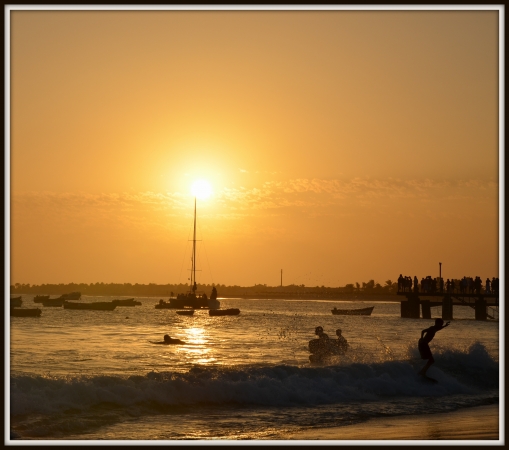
(429, 285)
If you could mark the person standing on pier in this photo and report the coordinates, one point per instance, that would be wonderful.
(488, 285)
(426, 336)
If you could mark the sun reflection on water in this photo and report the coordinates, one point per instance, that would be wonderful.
(196, 336)
(198, 350)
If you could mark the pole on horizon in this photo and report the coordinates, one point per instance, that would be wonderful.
(440, 270)
(281, 277)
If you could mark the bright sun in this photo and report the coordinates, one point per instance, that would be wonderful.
(201, 189)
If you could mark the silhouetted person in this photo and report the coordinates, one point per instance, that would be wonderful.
(319, 348)
(400, 282)
(488, 283)
(426, 336)
(416, 284)
(169, 341)
(321, 335)
(213, 294)
(341, 343)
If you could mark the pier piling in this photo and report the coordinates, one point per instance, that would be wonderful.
(426, 309)
(480, 309)
(447, 308)
(410, 308)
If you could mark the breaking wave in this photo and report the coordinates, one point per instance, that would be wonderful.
(469, 372)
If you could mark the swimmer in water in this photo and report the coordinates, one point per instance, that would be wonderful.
(323, 344)
(426, 336)
(169, 341)
(341, 342)
(321, 335)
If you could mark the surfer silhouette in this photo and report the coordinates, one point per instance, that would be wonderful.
(169, 341)
(426, 336)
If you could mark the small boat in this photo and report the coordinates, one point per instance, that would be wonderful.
(353, 312)
(97, 306)
(185, 312)
(16, 301)
(40, 298)
(224, 312)
(71, 296)
(26, 312)
(54, 302)
(163, 305)
(126, 302)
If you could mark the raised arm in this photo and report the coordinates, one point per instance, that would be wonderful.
(446, 325)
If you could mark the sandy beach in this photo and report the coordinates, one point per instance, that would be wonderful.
(478, 423)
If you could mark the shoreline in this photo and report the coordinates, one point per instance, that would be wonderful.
(345, 297)
(477, 423)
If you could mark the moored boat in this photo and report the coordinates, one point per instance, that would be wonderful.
(26, 312)
(353, 312)
(185, 312)
(126, 302)
(16, 301)
(163, 305)
(71, 296)
(189, 300)
(97, 306)
(193, 299)
(224, 312)
(55, 302)
(40, 298)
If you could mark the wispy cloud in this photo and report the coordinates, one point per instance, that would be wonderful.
(316, 193)
(315, 196)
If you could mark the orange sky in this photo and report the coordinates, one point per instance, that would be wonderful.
(341, 146)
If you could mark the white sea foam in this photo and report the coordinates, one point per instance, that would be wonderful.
(259, 386)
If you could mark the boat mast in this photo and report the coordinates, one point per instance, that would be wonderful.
(193, 268)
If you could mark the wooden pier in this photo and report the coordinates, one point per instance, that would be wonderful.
(485, 305)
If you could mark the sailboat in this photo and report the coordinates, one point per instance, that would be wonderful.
(191, 299)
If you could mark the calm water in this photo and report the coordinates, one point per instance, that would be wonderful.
(95, 374)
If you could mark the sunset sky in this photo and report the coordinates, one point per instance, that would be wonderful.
(340, 146)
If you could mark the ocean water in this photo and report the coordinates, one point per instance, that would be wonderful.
(90, 375)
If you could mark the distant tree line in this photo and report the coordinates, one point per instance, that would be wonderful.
(161, 290)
